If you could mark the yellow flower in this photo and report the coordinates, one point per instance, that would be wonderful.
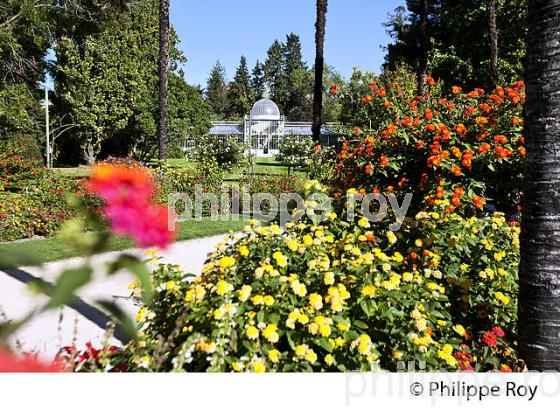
(498, 256)
(274, 356)
(257, 300)
(307, 240)
(218, 314)
(259, 366)
(408, 276)
(397, 354)
(310, 356)
(280, 259)
(223, 287)
(329, 278)
(237, 366)
(391, 237)
(502, 298)
(459, 329)
(299, 288)
(226, 262)
(270, 333)
(369, 291)
(252, 332)
(329, 360)
(243, 250)
(268, 300)
(244, 293)
(292, 244)
(364, 222)
(316, 301)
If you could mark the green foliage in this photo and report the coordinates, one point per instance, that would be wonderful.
(238, 95)
(227, 153)
(459, 51)
(294, 151)
(216, 91)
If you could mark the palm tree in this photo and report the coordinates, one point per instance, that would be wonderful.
(424, 40)
(493, 31)
(319, 68)
(539, 271)
(163, 76)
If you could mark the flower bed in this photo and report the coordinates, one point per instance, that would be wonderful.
(340, 296)
(454, 150)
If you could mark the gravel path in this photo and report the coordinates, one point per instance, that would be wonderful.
(81, 322)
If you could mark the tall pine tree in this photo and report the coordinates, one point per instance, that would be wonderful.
(216, 90)
(258, 87)
(274, 73)
(238, 94)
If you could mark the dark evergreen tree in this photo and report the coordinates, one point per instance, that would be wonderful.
(298, 81)
(216, 91)
(258, 86)
(238, 95)
(275, 75)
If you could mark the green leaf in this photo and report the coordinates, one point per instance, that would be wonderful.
(14, 258)
(323, 343)
(138, 269)
(66, 284)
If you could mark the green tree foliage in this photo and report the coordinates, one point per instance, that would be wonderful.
(274, 73)
(239, 95)
(257, 87)
(23, 46)
(460, 52)
(216, 90)
(107, 85)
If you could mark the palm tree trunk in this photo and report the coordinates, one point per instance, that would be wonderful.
(319, 68)
(163, 76)
(493, 31)
(422, 70)
(539, 271)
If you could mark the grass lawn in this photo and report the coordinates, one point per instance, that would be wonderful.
(53, 249)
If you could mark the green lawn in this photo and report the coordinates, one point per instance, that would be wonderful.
(53, 249)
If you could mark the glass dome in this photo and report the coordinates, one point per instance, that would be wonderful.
(265, 109)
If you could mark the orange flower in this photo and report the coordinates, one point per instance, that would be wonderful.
(429, 115)
(430, 81)
(461, 129)
(500, 139)
(521, 151)
(334, 89)
(481, 121)
(384, 161)
(434, 161)
(478, 201)
(456, 89)
(387, 104)
(456, 201)
(456, 170)
(368, 169)
(484, 148)
(517, 121)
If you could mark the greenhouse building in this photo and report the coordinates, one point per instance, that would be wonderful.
(263, 130)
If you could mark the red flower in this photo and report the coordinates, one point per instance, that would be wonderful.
(489, 339)
(334, 89)
(10, 363)
(456, 170)
(431, 82)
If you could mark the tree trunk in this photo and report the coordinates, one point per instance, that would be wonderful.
(319, 68)
(539, 271)
(493, 31)
(163, 76)
(424, 43)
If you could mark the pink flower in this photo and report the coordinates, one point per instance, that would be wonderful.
(498, 331)
(128, 193)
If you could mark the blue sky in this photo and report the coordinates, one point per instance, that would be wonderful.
(223, 30)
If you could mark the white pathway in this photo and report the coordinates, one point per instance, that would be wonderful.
(82, 322)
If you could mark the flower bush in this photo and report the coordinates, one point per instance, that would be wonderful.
(337, 296)
(294, 151)
(455, 150)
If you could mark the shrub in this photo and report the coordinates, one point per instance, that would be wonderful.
(227, 153)
(458, 150)
(339, 296)
(294, 151)
(322, 164)
(19, 164)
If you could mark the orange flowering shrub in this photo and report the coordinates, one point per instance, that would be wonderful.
(450, 151)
